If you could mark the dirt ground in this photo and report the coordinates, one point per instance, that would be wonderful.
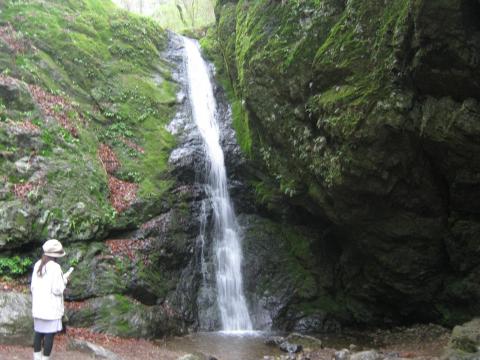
(127, 349)
(421, 342)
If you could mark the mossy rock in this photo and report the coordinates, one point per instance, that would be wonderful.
(122, 316)
(305, 341)
(16, 224)
(354, 120)
(15, 96)
(464, 343)
(16, 323)
(74, 85)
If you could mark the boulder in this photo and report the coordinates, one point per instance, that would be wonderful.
(16, 222)
(343, 354)
(290, 348)
(305, 340)
(274, 340)
(366, 355)
(197, 356)
(16, 323)
(91, 349)
(380, 150)
(15, 94)
(119, 315)
(464, 342)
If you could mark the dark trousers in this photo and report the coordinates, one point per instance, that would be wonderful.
(47, 340)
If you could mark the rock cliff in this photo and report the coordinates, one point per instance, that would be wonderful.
(365, 117)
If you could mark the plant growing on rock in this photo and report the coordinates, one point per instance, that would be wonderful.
(14, 266)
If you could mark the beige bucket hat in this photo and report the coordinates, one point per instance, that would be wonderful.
(53, 248)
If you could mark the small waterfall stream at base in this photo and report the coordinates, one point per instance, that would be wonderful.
(226, 240)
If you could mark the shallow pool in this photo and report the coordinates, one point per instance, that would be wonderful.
(224, 346)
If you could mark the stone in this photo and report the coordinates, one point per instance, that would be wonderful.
(15, 93)
(343, 354)
(197, 356)
(274, 340)
(305, 340)
(464, 342)
(16, 222)
(290, 348)
(366, 355)
(95, 351)
(16, 322)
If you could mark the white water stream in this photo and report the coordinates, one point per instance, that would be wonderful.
(231, 300)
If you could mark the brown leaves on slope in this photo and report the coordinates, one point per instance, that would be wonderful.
(22, 127)
(22, 191)
(89, 335)
(127, 247)
(54, 106)
(108, 158)
(13, 39)
(75, 305)
(9, 285)
(122, 193)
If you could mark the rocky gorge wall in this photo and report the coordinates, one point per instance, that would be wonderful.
(361, 120)
(352, 166)
(84, 100)
(86, 94)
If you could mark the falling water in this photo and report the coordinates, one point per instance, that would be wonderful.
(231, 301)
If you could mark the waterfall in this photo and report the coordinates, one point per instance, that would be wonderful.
(226, 239)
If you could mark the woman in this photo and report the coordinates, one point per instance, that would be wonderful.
(48, 284)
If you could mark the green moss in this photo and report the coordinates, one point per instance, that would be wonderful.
(240, 119)
(301, 264)
(113, 316)
(464, 344)
(106, 63)
(241, 126)
(309, 73)
(156, 281)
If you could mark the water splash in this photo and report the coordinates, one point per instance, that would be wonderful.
(231, 301)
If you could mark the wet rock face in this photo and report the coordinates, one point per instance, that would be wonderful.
(448, 65)
(286, 297)
(366, 116)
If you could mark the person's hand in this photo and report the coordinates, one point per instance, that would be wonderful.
(67, 274)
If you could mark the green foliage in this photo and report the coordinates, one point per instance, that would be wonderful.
(241, 125)
(266, 192)
(14, 266)
(185, 15)
(116, 130)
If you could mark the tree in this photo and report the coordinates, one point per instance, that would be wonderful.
(191, 8)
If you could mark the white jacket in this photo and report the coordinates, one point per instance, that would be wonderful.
(47, 292)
